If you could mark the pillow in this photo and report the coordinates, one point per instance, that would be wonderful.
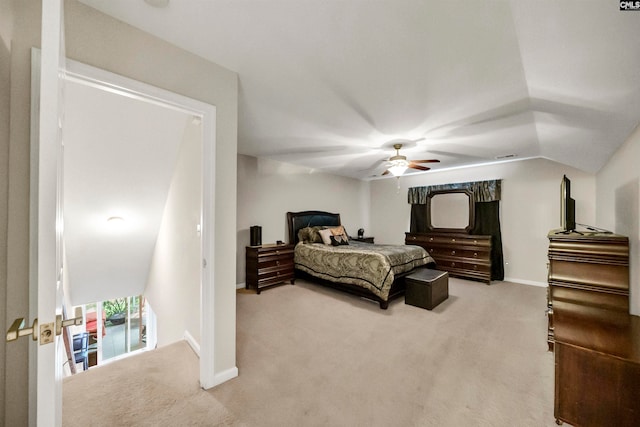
(339, 236)
(326, 236)
(310, 234)
(338, 240)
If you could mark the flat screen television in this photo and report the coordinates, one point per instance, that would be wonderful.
(567, 206)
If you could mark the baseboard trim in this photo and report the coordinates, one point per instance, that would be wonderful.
(225, 376)
(192, 342)
(241, 285)
(526, 282)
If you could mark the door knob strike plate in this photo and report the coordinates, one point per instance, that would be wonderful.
(47, 333)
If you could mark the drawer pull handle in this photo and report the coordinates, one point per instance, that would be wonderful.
(277, 252)
(431, 239)
(453, 240)
(475, 254)
(475, 241)
(453, 264)
(413, 237)
(277, 262)
(475, 267)
(277, 273)
(453, 252)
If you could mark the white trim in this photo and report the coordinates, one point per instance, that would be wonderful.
(526, 282)
(192, 342)
(104, 80)
(225, 376)
(242, 285)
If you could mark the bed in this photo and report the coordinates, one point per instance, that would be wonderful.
(372, 271)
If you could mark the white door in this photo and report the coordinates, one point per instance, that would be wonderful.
(47, 270)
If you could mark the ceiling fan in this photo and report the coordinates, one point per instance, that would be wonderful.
(398, 164)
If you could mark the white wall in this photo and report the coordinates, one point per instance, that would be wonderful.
(268, 189)
(529, 209)
(618, 205)
(173, 285)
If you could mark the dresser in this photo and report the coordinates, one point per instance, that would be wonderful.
(591, 270)
(596, 342)
(269, 265)
(462, 255)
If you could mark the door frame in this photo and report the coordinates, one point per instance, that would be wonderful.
(124, 86)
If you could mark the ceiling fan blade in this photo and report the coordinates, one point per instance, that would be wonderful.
(385, 173)
(425, 161)
(422, 168)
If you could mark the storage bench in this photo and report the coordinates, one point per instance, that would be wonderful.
(426, 288)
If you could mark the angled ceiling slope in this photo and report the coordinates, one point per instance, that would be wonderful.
(328, 85)
(120, 156)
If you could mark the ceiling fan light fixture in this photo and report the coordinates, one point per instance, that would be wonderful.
(398, 167)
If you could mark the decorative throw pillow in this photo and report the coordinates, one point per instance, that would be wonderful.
(310, 234)
(303, 235)
(339, 236)
(338, 240)
(326, 236)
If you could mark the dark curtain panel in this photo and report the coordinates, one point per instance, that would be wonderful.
(418, 218)
(488, 223)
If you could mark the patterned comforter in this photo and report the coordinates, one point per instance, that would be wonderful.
(373, 267)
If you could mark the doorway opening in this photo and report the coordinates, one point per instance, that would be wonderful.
(201, 120)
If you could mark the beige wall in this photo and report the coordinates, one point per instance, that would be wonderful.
(529, 208)
(25, 34)
(618, 201)
(6, 34)
(268, 189)
(173, 286)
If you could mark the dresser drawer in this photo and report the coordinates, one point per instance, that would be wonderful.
(448, 240)
(462, 265)
(437, 251)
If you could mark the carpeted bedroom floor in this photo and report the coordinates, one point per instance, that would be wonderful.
(312, 356)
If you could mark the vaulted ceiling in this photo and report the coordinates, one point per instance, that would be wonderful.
(331, 84)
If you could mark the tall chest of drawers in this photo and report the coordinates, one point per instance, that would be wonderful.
(595, 340)
(462, 255)
(589, 270)
(269, 265)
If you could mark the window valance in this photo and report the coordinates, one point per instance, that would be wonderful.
(483, 191)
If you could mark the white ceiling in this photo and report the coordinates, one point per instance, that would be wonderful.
(120, 155)
(329, 84)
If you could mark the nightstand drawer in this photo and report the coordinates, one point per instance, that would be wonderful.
(269, 265)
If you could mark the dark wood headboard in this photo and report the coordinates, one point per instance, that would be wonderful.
(298, 220)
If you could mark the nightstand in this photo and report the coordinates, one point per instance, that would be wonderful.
(269, 265)
(363, 239)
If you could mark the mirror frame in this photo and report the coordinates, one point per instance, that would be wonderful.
(472, 217)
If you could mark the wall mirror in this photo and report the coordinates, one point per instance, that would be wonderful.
(450, 211)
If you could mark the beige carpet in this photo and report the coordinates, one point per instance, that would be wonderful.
(311, 356)
(156, 388)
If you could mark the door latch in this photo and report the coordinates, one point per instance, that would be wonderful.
(76, 321)
(18, 330)
(46, 331)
